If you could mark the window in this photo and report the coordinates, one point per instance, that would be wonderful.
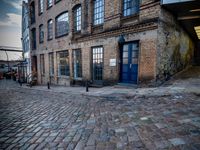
(41, 33)
(42, 65)
(41, 6)
(50, 29)
(77, 63)
(63, 63)
(97, 56)
(130, 7)
(32, 12)
(77, 18)
(49, 3)
(62, 24)
(98, 12)
(51, 64)
(33, 38)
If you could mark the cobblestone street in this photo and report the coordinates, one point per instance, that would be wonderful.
(41, 119)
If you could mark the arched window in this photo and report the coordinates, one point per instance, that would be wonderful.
(50, 29)
(130, 7)
(49, 3)
(98, 12)
(32, 12)
(77, 18)
(62, 24)
(41, 33)
(41, 6)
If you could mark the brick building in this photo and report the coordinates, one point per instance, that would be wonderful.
(107, 41)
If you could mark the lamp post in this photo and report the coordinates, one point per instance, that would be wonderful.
(7, 60)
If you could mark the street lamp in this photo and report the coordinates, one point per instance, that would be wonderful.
(7, 60)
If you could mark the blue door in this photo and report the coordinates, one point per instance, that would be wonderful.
(129, 65)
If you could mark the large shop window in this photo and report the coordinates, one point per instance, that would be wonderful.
(63, 63)
(98, 12)
(130, 7)
(77, 18)
(50, 29)
(42, 64)
(62, 24)
(51, 64)
(77, 63)
(41, 33)
(41, 6)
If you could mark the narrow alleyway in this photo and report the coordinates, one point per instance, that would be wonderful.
(39, 119)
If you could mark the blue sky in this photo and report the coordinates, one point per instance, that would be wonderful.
(10, 23)
(10, 26)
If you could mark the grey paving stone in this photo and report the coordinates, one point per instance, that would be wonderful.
(177, 141)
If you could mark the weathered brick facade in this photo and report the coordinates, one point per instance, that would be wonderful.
(145, 28)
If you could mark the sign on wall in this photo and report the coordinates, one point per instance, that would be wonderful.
(112, 62)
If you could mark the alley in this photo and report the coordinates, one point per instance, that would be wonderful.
(39, 119)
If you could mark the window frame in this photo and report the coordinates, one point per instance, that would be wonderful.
(33, 39)
(41, 33)
(131, 13)
(77, 18)
(97, 12)
(40, 7)
(64, 34)
(51, 64)
(77, 55)
(48, 30)
(66, 66)
(49, 5)
(42, 64)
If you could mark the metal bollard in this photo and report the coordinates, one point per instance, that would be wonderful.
(48, 85)
(87, 88)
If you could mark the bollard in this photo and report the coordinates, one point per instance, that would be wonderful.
(87, 89)
(48, 85)
(20, 83)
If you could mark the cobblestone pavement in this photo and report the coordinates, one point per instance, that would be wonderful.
(39, 119)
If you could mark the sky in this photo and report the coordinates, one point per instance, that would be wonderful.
(10, 24)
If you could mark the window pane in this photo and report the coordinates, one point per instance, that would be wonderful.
(62, 24)
(49, 3)
(63, 63)
(98, 12)
(41, 6)
(42, 65)
(77, 19)
(77, 63)
(130, 7)
(51, 64)
(41, 34)
(50, 29)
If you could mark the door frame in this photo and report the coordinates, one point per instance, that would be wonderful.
(121, 60)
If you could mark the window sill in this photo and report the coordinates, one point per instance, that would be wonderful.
(61, 35)
(134, 16)
(50, 39)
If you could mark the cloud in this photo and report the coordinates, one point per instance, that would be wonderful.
(15, 4)
(12, 20)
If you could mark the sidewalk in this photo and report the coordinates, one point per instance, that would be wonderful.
(187, 82)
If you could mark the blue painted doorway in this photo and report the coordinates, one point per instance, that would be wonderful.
(129, 63)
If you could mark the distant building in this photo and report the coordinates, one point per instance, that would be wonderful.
(109, 41)
(26, 38)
